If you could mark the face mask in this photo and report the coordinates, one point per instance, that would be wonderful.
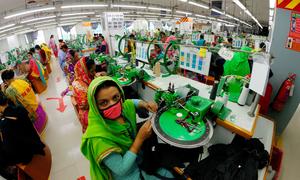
(113, 112)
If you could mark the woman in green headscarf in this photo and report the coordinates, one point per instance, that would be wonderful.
(111, 142)
(239, 64)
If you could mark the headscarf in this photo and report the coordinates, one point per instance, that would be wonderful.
(37, 70)
(239, 64)
(113, 136)
(81, 71)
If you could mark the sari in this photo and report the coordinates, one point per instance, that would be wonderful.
(104, 44)
(170, 53)
(36, 76)
(48, 57)
(21, 93)
(80, 86)
(53, 46)
(104, 137)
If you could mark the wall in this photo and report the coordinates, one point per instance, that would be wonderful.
(285, 61)
(49, 32)
(3, 45)
(22, 41)
(13, 42)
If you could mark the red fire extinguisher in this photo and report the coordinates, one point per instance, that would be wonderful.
(286, 90)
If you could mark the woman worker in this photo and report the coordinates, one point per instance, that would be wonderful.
(20, 144)
(21, 93)
(111, 142)
(36, 74)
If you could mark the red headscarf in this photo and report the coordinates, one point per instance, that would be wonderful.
(81, 71)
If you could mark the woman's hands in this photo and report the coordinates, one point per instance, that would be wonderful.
(150, 106)
(143, 134)
(145, 131)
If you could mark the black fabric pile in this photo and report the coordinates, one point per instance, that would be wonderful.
(239, 160)
(156, 155)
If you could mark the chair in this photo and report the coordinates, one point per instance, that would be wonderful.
(39, 167)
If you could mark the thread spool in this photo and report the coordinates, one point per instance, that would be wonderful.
(225, 99)
(243, 97)
(213, 93)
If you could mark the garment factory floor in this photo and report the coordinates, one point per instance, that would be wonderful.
(63, 131)
(63, 136)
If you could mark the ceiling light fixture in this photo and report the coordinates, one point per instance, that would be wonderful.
(183, 12)
(45, 25)
(159, 9)
(202, 16)
(40, 22)
(183, 0)
(9, 29)
(128, 6)
(84, 6)
(29, 12)
(217, 11)
(37, 19)
(75, 14)
(7, 26)
(237, 2)
(67, 24)
(75, 17)
(199, 5)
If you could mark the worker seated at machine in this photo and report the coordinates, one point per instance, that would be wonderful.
(156, 54)
(111, 142)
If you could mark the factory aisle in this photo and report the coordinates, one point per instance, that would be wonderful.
(63, 131)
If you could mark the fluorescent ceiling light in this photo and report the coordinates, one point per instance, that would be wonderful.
(67, 24)
(9, 29)
(29, 12)
(45, 25)
(40, 22)
(7, 26)
(248, 12)
(229, 25)
(183, 0)
(75, 17)
(183, 12)
(237, 2)
(3, 35)
(84, 6)
(217, 11)
(81, 13)
(37, 19)
(199, 5)
(229, 16)
(128, 6)
(198, 15)
(159, 9)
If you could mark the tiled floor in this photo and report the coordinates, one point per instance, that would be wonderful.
(291, 149)
(63, 132)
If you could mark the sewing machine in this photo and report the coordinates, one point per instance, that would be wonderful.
(183, 117)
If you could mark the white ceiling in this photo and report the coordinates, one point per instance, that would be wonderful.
(259, 8)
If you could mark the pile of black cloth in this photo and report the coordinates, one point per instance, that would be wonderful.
(239, 160)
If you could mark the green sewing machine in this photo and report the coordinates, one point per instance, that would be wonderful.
(182, 118)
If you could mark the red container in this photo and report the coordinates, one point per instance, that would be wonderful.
(276, 161)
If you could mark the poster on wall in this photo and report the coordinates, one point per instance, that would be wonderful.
(190, 60)
(141, 51)
(293, 40)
